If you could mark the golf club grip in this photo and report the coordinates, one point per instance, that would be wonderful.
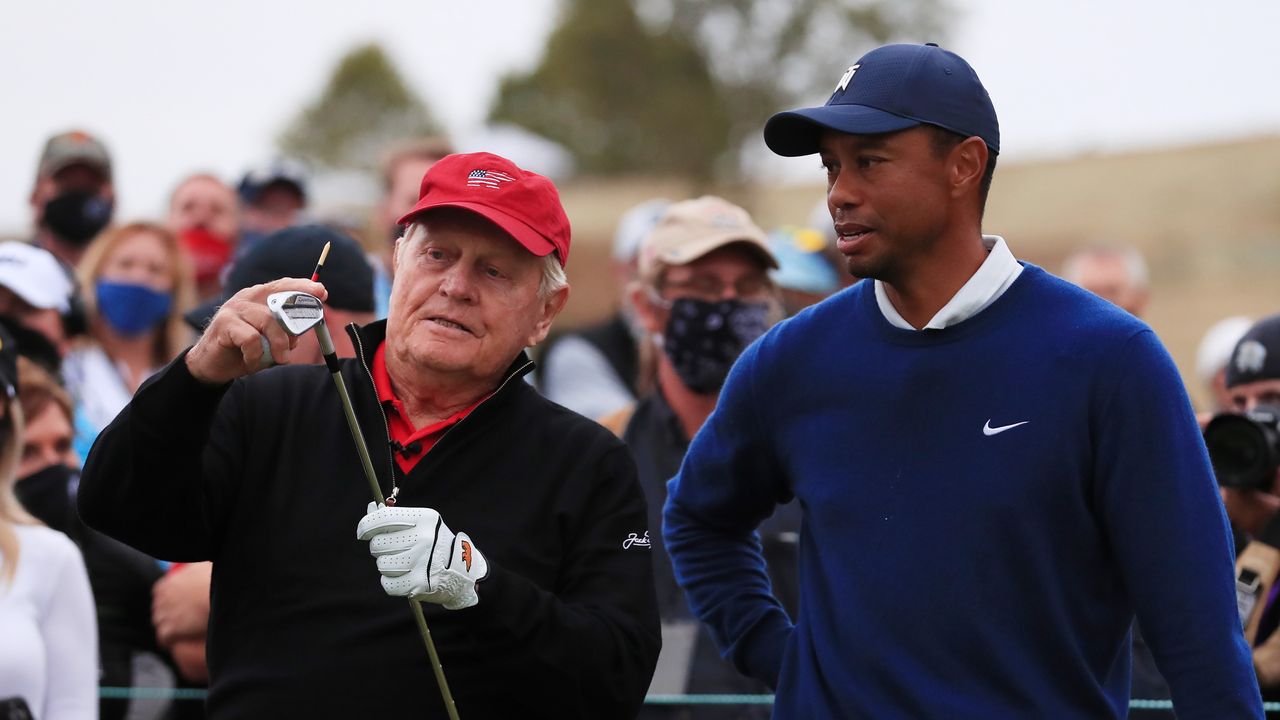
(362, 449)
(326, 346)
(436, 667)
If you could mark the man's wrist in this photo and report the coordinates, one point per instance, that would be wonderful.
(192, 360)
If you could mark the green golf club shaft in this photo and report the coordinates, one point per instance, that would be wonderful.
(331, 360)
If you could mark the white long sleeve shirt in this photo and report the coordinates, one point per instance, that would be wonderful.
(48, 628)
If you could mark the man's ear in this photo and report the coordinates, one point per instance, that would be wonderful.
(395, 255)
(968, 165)
(37, 208)
(550, 308)
(644, 306)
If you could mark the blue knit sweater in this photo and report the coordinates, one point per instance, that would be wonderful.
(986, 507)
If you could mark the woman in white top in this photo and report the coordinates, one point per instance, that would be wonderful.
(48, 631)
(136, 282)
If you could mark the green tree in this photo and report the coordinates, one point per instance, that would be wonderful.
(768, 55)
(681, 86)
(365, 106)
(622, 98)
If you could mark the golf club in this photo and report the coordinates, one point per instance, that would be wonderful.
(298, 312)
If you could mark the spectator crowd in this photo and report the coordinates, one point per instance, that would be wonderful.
(93, 305)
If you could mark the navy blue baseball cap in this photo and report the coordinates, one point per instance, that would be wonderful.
(893, 88)
(1256, 356)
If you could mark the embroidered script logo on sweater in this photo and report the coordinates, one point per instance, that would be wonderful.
(635, 540)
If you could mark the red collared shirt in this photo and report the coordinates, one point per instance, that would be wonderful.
(416, 442)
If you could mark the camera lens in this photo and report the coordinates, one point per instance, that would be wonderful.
(1244, 449)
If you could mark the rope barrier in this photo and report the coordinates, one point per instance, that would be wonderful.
(708, 700)
(153, 693)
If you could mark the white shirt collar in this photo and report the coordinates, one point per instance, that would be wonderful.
(991, 280)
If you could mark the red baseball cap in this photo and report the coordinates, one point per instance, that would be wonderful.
(524, 204)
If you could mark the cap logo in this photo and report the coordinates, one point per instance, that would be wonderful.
(1251, 356)
(844, 79)
(724, 220)
(487, 178)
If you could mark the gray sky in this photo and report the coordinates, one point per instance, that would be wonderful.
(179, 86)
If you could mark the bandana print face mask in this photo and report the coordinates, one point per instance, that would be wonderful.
(703, 339)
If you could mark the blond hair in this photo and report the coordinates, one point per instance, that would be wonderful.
(175, 336)
(11, 512)
(37, 389)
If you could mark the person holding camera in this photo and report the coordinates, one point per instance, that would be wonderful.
(1242, 442)
(1244, 445)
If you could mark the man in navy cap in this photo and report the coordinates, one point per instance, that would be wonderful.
(998, 470)
(1251, 484)
(272, 197)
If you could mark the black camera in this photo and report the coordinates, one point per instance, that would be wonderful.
(1245, 449)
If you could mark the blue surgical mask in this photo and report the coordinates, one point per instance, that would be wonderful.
(132, 309)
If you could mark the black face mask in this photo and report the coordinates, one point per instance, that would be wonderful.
(703, 339)
(46, 494)
(76, 216)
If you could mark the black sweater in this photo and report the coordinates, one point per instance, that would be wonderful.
(262, 477)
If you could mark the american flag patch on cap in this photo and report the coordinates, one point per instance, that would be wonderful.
(487, 178)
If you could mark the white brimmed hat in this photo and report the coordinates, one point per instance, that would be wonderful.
(34, 275)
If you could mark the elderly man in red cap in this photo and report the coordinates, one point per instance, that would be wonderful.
(506, 516)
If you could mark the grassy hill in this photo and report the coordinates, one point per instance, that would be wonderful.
(1207, 217)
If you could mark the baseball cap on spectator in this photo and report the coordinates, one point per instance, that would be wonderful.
(634, 225)
(691, 229)
(1257, 355)
(35, 276)
(523, 204)
(281, 171)
(75, 147)
(801, 263)
(8, 364)
(893, 88)
(293, 252)
(1215, 347)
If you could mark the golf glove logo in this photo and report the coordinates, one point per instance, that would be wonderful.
(421, 558)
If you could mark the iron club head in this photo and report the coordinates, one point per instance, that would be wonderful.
(296, 311)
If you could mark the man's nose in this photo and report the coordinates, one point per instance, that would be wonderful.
(458, 283)
(846, 191)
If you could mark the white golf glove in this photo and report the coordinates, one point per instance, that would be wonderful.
(420, 557)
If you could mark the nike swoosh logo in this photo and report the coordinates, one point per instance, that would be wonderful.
(989, 431)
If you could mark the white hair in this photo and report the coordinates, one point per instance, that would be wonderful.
(553, 275)
(1135, 265)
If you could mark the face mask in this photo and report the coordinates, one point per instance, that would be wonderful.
(702, 339)
(76, 216)
(131, 309)
(209, 252)
(46, 494)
